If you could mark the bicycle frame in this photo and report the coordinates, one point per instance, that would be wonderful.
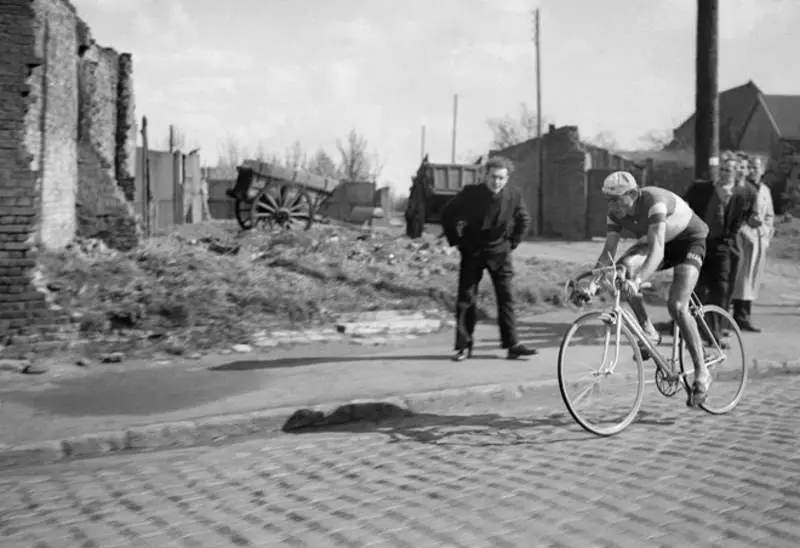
(622, 316)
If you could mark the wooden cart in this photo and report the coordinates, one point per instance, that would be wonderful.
(431, 188)
(271, 196)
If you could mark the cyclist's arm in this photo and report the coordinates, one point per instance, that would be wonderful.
(611, 245)
(656, 240)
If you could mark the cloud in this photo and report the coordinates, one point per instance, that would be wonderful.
(203, 85)
(146, 15)
(201, 58)
(288, 78)
(116, 6)
(343, 76)
(516, 7)
(179, 19)
(357, 32)
(494, 51)
(737, 18)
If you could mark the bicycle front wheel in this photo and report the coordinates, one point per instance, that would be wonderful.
(723, 352)
(605, 391)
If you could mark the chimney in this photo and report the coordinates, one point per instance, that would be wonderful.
(551, 128)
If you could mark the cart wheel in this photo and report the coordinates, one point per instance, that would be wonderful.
(282, 205)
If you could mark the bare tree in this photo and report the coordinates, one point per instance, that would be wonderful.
(509, 130)
(296, 157)
(378, 162)
(356, 164)
(322, 164)
(606, 140)
(260, 153)
(656, 140)
(231, 153)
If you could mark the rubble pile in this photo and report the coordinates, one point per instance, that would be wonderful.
(340, 247)
(426, 256)
(90, 247)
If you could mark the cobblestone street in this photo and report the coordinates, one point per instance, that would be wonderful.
(676, 478)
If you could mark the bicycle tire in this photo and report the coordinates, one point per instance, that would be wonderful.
(735, 333)
(631, 416)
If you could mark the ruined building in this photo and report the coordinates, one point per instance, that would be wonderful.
(67, 148)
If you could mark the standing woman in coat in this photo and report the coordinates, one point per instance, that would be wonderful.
(753, 238)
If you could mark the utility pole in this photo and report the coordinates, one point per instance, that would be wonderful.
(422, 143)
(171, 138)
(706, 129)
(455, 126)
(539, 143)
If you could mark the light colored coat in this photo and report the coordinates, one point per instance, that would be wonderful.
(754, 238)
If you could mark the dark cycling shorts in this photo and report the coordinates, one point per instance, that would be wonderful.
(676, 252)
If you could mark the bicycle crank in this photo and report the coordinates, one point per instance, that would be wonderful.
(668, 387)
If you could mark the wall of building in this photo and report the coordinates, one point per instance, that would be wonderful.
(220, 180)
(21, 99)
(42, 180)
(566, 199)
(104, 206)
(56, 22)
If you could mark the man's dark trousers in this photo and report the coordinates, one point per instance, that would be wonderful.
(500, 267)
(717, 273)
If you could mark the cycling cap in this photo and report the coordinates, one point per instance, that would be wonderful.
(619, 183)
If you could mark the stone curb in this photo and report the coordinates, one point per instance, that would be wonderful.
(384, 327)
(206, 430)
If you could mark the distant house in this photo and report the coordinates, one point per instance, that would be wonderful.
(749, 119)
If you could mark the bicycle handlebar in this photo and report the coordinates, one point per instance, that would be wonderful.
(618, 275)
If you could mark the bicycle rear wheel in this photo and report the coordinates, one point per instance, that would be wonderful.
(611, 371)
(725, 357)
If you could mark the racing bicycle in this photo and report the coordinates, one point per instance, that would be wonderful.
(600, 335)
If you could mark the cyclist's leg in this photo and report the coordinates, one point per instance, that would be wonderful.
(684, 281)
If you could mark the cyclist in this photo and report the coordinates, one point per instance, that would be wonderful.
(670, 235)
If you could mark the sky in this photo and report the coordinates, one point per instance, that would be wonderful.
(267, 73)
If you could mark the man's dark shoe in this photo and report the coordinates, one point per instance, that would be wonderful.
(462, 354)
(520, 351)
(745, 325)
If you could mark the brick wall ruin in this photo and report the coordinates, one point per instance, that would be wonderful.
(67, 143)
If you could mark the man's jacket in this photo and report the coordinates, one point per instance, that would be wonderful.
(738, 210)
(476, 220)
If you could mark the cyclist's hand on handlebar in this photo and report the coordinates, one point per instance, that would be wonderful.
(632, 288)
(581, 297)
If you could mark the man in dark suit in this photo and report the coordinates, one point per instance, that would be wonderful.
(724, 206)
(487, 221)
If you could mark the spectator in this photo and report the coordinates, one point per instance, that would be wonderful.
(753, 238)
(487, 221)
(724, 206)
